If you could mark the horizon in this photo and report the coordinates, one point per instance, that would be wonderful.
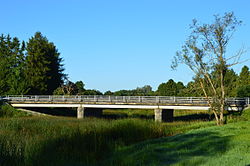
(121, 45)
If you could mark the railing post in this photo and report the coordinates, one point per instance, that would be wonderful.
(124, 99)
(36, 98)
(50, 98)
(157, 99)
(174, 99)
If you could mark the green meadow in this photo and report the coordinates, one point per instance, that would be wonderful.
(128, 140)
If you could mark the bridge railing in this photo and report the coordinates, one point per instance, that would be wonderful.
(120, 99)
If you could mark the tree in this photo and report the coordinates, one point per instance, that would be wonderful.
(180, 87)
(69, 88)
(244, 77)
(243, 91)
(108, 93)
(230, 83)
(205, 52)
(5, 64)
(92, 92)
(44, 68)
(243, 85)
(80, 87)
(123, 93)
(143, 91)
(192, 90)
(167, 89)
(12, 58)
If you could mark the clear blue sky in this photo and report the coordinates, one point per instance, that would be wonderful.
(120, 44)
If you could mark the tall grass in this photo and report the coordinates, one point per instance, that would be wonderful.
(64, 141)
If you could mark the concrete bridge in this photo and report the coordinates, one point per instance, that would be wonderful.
(163, 106)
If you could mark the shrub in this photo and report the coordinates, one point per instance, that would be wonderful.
(8, 111)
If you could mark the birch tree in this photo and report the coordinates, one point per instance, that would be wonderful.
(204, 53)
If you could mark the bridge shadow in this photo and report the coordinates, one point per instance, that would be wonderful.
(187, 117)
(123, 116)
(184, 149)
(71, 112)
(191, 117)
(67, 112)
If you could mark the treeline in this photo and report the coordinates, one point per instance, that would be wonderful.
(235, 86)
(35, 67)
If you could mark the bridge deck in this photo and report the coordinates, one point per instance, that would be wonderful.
(150, 102)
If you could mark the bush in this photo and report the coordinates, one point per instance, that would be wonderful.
(8, 111)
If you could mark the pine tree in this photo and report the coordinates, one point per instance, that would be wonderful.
(44, 69)
(17, 82)
(11, 66)
(243, 85)
(244, 77)
(4, 68)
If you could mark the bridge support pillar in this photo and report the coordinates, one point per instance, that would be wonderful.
(80, 112)
(164, 115)
(88, 112)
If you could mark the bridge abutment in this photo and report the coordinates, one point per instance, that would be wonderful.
(89, 112)
(164, 115)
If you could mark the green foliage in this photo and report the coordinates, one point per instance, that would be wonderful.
(204, 53)
(69, 88)
(40, 72)
(80, 87)
(170, 88)
(243, 91)
(244, 77)
(143, 91)
(108, 93)
(243, 86)
(246, 114)
(12, 58)
(139, 91)
(8, 111)
(230, 83)
(43, 65)
(192, 90)
(92, 92)
(77, 88)
(61, 141)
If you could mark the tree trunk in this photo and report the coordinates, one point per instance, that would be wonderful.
(217, 118)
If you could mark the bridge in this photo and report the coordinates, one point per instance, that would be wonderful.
(88, 105)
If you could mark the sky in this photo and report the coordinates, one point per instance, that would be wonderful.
(121, 44)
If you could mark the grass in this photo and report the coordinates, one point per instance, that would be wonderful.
(126, 141)
(67, 141)
(226, 145)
